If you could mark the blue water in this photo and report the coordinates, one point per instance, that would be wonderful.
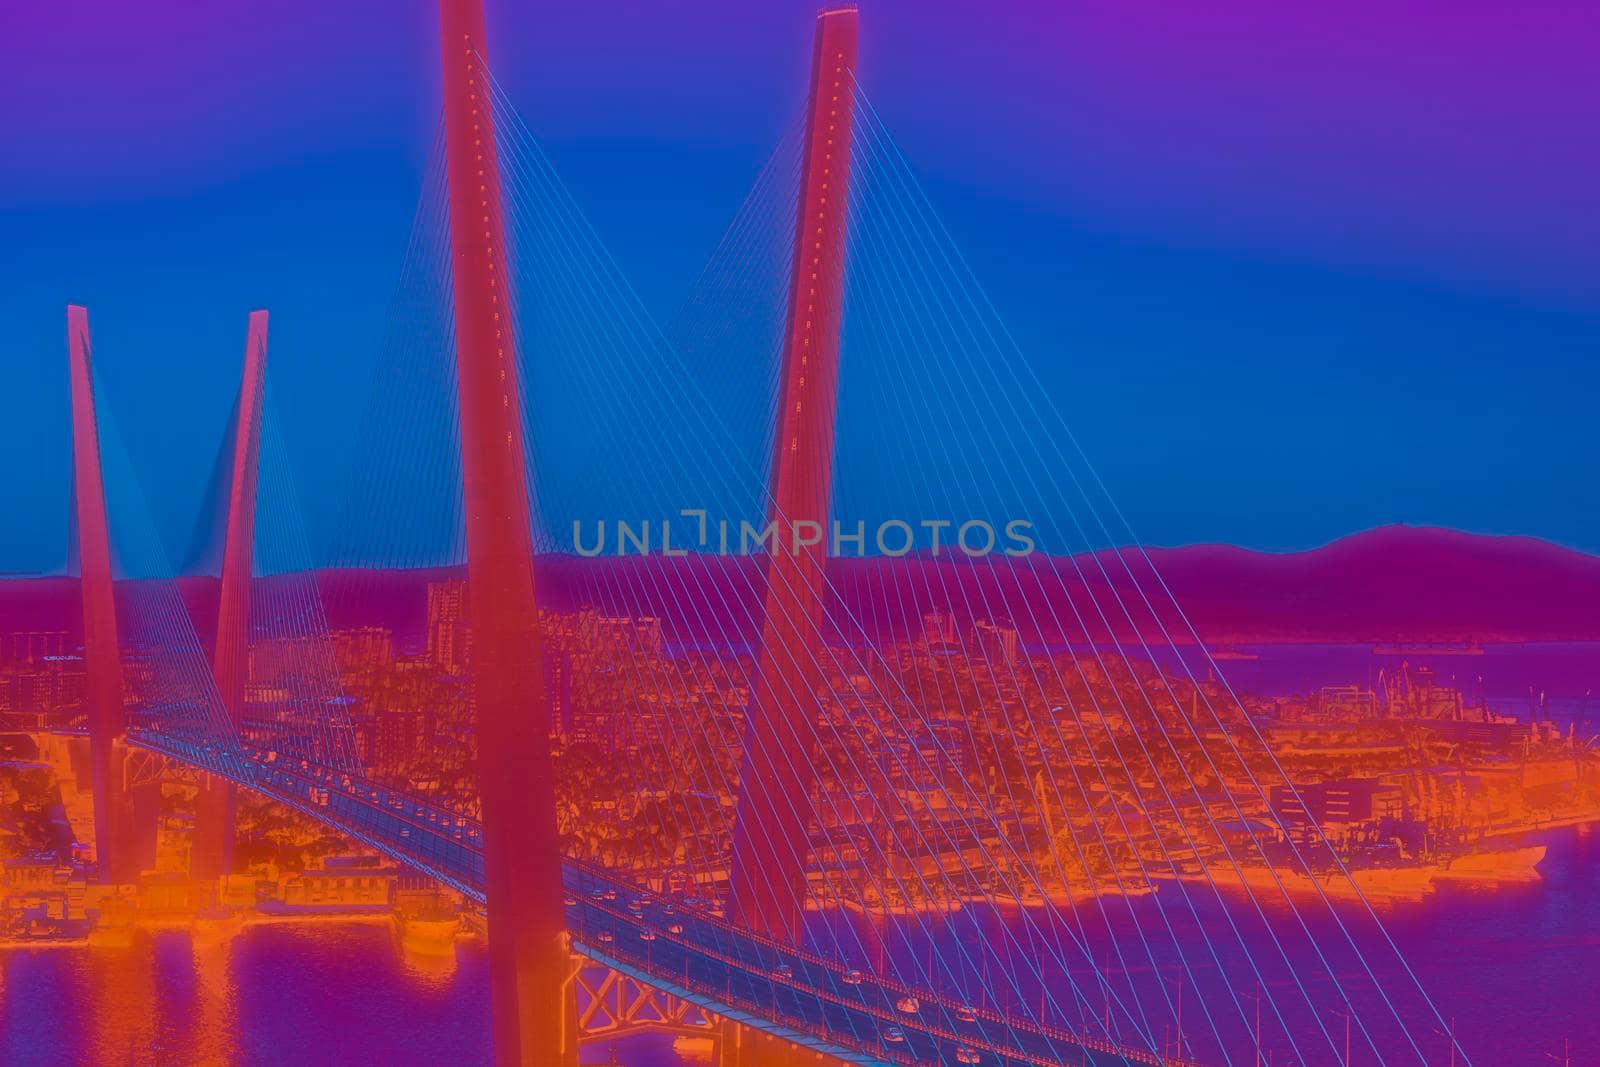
(1517, 968)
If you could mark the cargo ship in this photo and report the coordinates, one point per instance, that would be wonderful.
(1382, 870)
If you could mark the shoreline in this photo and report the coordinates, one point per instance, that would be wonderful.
(169, 924)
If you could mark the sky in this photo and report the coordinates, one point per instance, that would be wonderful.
(1289, 271)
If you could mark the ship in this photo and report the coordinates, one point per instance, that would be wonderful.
(1409, 881)
(1227, 653)
(428, 921)
(1459, 648)
(1518, 864)
(1382, 870)
(1056, 895)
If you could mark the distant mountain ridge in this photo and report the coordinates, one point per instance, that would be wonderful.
(1416, 583)
(1394, 583)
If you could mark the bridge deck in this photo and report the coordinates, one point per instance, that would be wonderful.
(855, 1016)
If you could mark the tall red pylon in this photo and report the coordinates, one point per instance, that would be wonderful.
(770, 842)
(534, 1020)
(115, 853)
(213, 839)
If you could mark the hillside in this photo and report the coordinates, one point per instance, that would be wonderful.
(1419, 584)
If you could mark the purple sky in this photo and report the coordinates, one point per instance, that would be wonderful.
(1447, 140)
(1264, 206)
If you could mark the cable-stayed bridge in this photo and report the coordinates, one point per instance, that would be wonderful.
(773, 986)
(882, 804)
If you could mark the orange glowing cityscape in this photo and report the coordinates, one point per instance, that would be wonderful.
(494, 667)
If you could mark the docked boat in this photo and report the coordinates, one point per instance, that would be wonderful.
(428, 922)
(1382, 870)
(1408, 881)
(1519, 864)
(1468, 648)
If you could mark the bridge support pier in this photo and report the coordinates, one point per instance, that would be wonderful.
(141, 803)
(113, 820)
(771, 837)
(528, 943)
(211, 854)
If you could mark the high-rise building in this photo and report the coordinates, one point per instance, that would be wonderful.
(364, 648)
(36, 646)
(447, 601)
(401, 737)
(938, 629)
(448, 632)
(618, 636)
(647, 632)
(275, 663)
(996, 642)
(32, 691)
(558, 691)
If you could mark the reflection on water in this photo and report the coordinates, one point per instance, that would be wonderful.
(1515, 967)
(318, 993)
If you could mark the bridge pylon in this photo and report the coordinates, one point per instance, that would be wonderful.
(116, 852)
(770, 841)
(212, 855)
(528, 955)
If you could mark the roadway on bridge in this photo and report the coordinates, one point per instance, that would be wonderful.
(848, 1013)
